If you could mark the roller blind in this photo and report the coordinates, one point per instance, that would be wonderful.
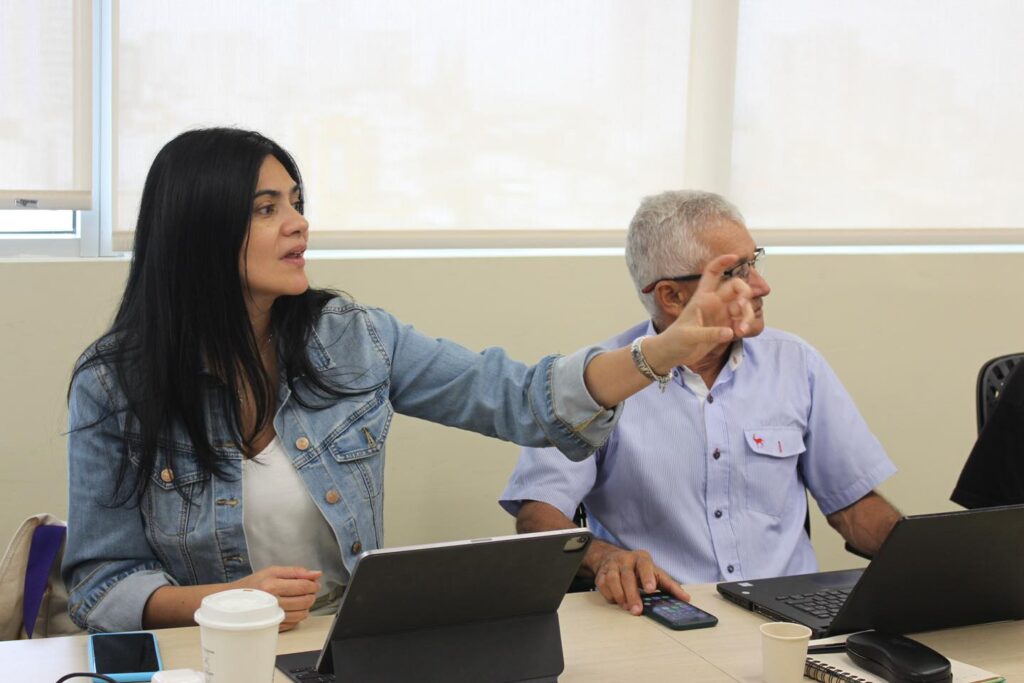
(46, 104)
(450, 115)
(903, 114)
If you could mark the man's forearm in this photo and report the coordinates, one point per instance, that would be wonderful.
(866, 524)
(535, 515)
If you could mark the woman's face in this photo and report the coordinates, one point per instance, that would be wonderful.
(272, 262)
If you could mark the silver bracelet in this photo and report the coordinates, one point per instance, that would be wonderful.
(645, 368)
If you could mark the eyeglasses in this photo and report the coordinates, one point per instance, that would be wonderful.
(740, 270)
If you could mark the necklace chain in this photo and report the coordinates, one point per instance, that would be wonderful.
(261, 347)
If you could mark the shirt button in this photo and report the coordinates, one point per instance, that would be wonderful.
(730, 569)
(717, 454)
(357, 548)
(167, 475)
(302, 443)
(718, 514)
(332, 496)
(711, 399)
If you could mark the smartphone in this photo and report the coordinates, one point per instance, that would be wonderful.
(129, 657)
(675, 613)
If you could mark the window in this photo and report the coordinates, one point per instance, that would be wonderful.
(879, 115)
(46, 128)
(419, 117)
(525, 123)
(45, 111)
(37, 222)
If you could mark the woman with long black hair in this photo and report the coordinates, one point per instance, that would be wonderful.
(228, 429)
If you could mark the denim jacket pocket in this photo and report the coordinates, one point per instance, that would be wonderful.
(172, 492)
(358, 443)
(771, 466)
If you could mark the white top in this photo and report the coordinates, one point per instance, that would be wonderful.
(284, 527)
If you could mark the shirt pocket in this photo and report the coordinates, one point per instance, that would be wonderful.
(357, 445)
(770, 465)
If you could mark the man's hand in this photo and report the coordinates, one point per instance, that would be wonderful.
(294, 587)
(718, 312)
(619, 574)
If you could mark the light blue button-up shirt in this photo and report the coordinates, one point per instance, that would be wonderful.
(711, 482)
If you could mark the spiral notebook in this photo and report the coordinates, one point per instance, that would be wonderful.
(839, 668)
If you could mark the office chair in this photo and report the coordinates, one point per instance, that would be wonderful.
(993, 473)
(581, 584)
(580, 518)
(991, 380)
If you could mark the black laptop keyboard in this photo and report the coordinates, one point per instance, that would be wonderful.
(822, 604)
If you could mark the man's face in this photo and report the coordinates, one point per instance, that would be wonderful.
(730, 238)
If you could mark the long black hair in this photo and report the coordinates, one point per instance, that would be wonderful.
(182, 333)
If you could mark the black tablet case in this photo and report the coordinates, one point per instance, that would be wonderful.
(483, 610)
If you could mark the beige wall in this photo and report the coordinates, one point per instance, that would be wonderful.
(906, 333)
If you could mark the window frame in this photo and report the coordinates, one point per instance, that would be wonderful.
(83, 240)
(87, 239)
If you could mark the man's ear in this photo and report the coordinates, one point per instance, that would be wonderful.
(671, 298)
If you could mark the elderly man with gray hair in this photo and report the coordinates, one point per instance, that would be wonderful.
(704, 477)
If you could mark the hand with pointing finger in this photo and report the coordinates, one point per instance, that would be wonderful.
(718, 312)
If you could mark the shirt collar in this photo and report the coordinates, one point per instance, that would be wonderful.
(688, 378)
(736, 351)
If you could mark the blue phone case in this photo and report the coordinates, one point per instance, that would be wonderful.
(133, 677)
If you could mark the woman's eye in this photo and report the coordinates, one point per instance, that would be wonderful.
(265, 210)
(300, 206)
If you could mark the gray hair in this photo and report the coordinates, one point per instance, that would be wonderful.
(663, 236)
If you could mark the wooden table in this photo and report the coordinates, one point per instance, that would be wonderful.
(600, 641)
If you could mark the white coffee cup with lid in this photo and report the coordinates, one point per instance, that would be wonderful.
(238, 632)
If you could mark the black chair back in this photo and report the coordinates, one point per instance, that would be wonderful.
(991, 379)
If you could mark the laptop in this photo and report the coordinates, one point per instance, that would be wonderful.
(477, 610)
(933, 571)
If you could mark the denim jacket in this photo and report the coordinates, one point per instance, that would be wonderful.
(117, 556)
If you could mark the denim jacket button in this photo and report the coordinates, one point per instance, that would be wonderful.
(357, 547)
(332, 496)
(302, 443)
(167, 475)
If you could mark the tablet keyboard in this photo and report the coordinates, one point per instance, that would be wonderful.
(307, 675)
(300, 667)
(822, 604)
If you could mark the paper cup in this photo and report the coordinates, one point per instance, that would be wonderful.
(784, 651)
(238, 632)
